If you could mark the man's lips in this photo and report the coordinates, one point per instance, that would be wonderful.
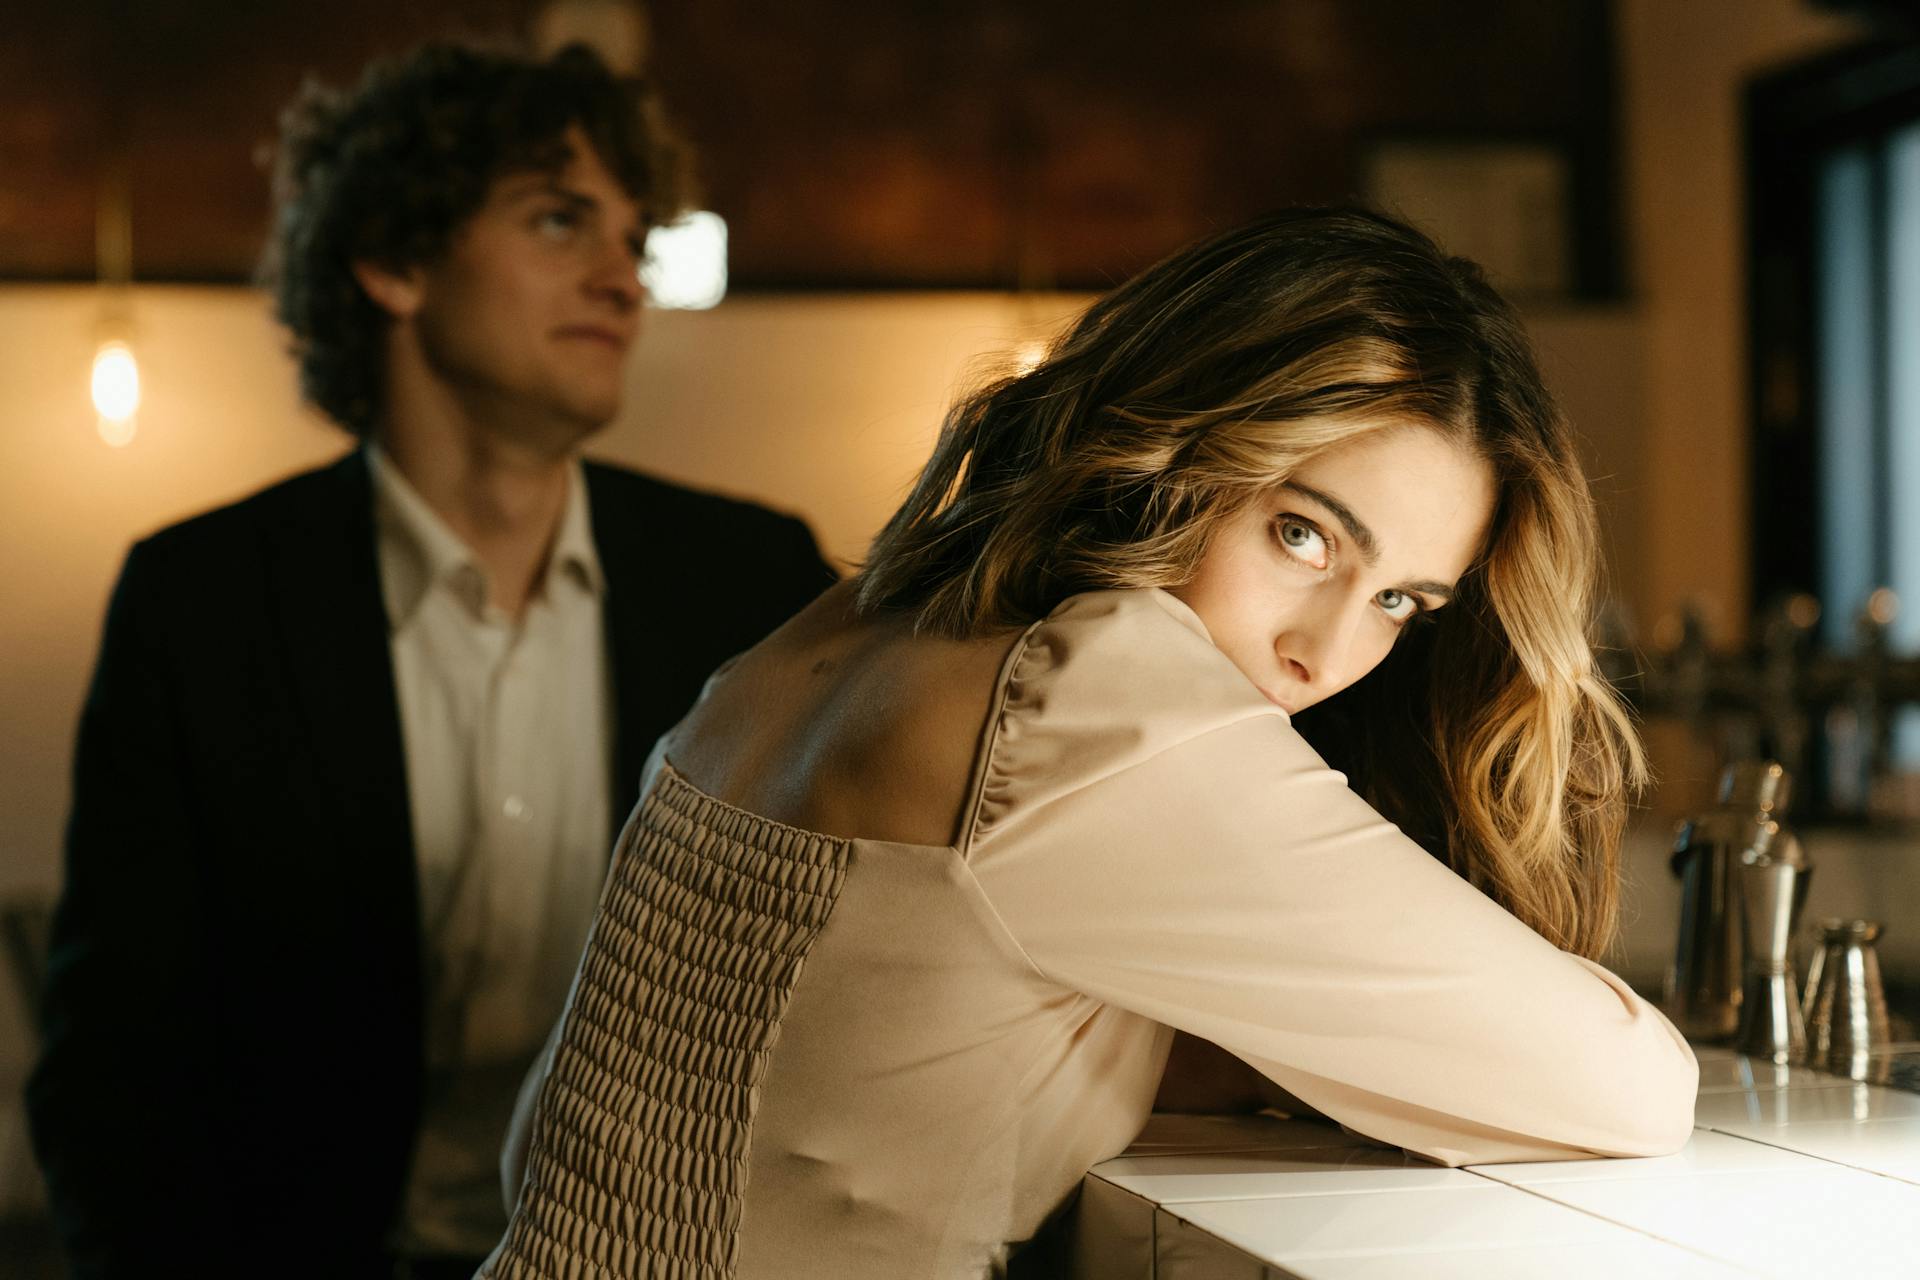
(614, 339)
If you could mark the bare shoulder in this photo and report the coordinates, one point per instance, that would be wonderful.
(847, 726)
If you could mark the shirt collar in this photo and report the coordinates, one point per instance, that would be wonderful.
(418, 550)
(573, 551)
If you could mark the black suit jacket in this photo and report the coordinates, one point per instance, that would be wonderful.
(232, 1072)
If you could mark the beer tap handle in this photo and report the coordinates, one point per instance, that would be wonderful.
(1870, 690)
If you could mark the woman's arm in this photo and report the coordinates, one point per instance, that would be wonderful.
(1233, 887)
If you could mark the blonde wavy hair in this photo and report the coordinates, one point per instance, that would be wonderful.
(1202, 383)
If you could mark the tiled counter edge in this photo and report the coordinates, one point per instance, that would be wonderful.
(1788, 1173)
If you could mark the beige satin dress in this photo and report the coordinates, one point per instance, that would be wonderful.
(792, 1054)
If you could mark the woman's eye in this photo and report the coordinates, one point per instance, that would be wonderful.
(1303, 542)
(1398, 605)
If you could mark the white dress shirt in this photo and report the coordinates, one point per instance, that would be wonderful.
(508, 735)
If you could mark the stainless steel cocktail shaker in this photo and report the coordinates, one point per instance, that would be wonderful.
(1707, 984)
(1773, 886)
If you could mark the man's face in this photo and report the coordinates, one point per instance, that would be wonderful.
(526, 319)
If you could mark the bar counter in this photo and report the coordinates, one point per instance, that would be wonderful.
(1790, 1172)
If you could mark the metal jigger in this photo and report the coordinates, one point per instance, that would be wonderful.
(1773, 885)
(1846, 1006)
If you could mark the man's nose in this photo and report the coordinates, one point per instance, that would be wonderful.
(616, 276)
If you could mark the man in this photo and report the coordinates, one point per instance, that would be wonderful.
(357, 746)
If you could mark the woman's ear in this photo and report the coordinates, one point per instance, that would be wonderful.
(395, 290)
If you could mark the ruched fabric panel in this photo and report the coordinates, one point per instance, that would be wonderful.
(639, 1156)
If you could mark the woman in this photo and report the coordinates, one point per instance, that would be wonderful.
(896, 940)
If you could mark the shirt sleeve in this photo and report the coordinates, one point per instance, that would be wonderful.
(1206, 869)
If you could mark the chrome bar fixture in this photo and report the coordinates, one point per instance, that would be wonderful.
(1825, 713)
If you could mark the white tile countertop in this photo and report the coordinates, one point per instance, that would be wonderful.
(1790, 1173)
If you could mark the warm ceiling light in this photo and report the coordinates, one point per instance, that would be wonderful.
(116, 392)
(686, 265)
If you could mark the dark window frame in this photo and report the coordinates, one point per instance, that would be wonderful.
(1794, 119)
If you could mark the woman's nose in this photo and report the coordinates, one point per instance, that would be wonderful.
(1319, 653)
(1303, 658)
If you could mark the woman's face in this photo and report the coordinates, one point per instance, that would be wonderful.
(1308, 587)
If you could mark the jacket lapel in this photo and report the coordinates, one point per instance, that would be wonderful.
(620, 531)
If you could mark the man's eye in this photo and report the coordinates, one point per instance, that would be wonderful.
(559, 223)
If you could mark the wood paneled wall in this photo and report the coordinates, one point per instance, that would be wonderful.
(850, 143)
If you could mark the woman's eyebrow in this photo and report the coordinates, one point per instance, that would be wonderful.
(1356, 528)
(1363, 537)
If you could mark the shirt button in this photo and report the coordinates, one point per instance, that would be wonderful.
(514, 808)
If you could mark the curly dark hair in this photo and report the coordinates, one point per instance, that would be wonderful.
(388, 171)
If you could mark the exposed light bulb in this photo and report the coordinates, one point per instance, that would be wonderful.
(116, 392)
(686, 265)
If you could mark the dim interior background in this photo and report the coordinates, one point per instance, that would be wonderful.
(916, 194)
